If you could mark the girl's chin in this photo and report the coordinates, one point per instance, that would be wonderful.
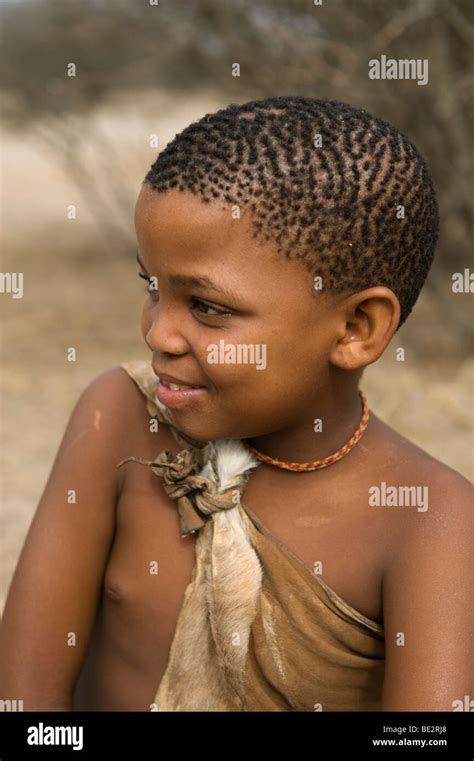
(197, 431)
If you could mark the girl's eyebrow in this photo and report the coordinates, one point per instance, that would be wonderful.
(195, 282)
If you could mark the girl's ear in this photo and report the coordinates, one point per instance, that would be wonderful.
(367, 323)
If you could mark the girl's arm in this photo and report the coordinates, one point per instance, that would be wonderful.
(428, 608)
(56, 587)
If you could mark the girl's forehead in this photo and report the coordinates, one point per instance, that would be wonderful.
(180, 235)
(181, 220)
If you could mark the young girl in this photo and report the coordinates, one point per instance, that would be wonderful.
(227, 526)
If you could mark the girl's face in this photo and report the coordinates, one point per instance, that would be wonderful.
(276, 330)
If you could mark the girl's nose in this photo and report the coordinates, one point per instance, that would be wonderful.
(162, 332)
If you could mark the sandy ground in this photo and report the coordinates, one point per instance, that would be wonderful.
(78, 293)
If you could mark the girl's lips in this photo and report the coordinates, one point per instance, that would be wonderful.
(178, 398)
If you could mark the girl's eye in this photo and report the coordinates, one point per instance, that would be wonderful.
(202, 306)
(216, 312)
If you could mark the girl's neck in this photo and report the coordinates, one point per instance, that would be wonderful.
(323, 430)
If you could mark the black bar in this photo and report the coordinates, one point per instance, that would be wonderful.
(137, 735)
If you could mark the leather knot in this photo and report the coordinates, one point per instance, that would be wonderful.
(196, 496)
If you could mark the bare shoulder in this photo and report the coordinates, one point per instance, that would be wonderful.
(119, 396)
(123, 406)
(116, 392)
(109, 406)
(417, 501)
(409, 465)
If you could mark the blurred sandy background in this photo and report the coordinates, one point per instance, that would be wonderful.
(145, 70)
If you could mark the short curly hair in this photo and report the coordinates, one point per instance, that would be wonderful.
(330, 184)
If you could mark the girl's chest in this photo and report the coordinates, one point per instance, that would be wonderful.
(151, 564)
(149, 567)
